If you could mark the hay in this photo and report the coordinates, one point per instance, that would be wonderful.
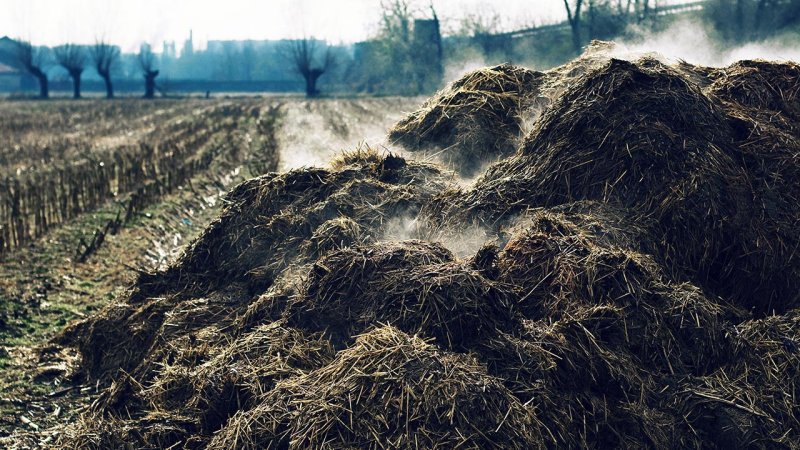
(761, 85)
(388, 390)
(637, 287)
(642, 136)
(333, 234)
(475, 120)
(413, 285)
(752, 401)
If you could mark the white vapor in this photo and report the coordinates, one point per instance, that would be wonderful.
(690, 41)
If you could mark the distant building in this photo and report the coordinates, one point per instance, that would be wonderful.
(188, 47)
(11, 77)
(169, 50)
(428, 54)
(8, 51)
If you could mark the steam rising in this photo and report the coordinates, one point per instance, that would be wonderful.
(690, 40)
(313, 132)
(464, 241)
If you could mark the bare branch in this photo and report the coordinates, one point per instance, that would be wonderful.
(147, 62)
(104, 55)
(146, 59)
(33, 59)
(304, 56)
(29, 57)
(71, 57)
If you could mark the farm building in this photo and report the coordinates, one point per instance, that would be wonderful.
(11, 78)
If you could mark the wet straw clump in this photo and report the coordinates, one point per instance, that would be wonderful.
(473, 121)
(636, 287)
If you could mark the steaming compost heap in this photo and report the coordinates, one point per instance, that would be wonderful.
(637, 286)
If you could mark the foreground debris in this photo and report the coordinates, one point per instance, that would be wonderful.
(636, 287)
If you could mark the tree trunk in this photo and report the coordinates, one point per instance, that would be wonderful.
(576, 38)
(150, 84)
(109, 87)
(574, 18)
(311, 86)
(311, 83)
(76, 84)
(44, 90)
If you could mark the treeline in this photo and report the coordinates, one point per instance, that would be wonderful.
(102, 57)
(727, 22)
(731, 21)
(411, 48)
(739, 21)
(409, 54)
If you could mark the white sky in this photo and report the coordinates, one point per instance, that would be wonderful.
(130, 22)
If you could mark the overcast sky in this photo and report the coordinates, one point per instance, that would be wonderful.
(130, 22)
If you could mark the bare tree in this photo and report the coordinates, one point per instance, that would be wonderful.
(396, 62)
(72, 57)
(147, 62)
(33, 59)
(428, 53)
(632, 10)
(307, 61)
(396, 20)
(624, 7)
(104, 56)
(574, 18)
(479, 24)
(607, 19)
(643, 9)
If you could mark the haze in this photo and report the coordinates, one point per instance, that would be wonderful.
(129, 23)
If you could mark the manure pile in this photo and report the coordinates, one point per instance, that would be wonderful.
(638, 285)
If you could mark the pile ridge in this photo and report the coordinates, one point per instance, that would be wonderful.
(635, 284)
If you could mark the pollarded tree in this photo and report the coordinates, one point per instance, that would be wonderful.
(33, 60)
(147, 62)
(105, 56)
(72, 57)
(307, 61)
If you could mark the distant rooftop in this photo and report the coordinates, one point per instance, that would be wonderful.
(7, 70)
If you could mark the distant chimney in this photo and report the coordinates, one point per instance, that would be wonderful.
(188, 46)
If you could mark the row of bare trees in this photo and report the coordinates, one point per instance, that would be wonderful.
(310, 57)
(74, 59)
